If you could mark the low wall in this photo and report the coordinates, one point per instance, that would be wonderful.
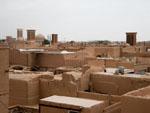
(136, 101)
(117, 84)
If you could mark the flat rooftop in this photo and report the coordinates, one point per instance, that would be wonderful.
(69, 102)
(113, 70)
(43, 51)
(147, 77)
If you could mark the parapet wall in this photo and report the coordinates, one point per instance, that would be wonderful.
(25, 87)
(117, 84)
(17, 58)
(4, 81)
(45, 59)
(136, 101)
(116, 63)
(108, 52)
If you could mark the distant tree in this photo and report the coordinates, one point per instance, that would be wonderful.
(72, 42)
(46, 41)
(2, 40)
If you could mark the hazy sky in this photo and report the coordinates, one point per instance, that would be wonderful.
(77, 19)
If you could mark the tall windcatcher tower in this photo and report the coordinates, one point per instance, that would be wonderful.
(131, 38)
(31, 35)
(19, 34)
(54, 39)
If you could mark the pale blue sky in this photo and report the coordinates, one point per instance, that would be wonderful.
(77, 19)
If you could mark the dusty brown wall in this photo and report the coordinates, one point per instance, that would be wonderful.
(50, 60)
(24, 92)
(57, 87)
(136, 101)
(115, 84)
(94, 96)
(95, 62)
(76, 59)
(4, 64)
(114, 108)
(135, 105)
(115, 63)
(143, 60)
(128, 65)
(45, 59)
(111, 63)
(21, 58)
(112, 103)
(130, 49)
(74, 62)
(18, 58)
(4, 103)
(58, 60)
(46, 109)
(108, 51)
(4, 81)
(24, 87)
(110, 99)
(19, 44)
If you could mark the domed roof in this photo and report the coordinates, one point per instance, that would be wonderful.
(40, 37)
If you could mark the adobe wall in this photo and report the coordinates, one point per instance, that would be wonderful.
(76, 59)
(24, 87)
(143, 60)
(105, 108)
(44, 59)
(17, 58)
(108, 52)
(111, 63)
(50, 60)
(140, 67)
(63, 104)
(4, 82)
(130, 49)
(128, 65)
(85, 79)
(136, 101)
(95, 62)
(94, 96)
(115, 63)
(64, 85)
(4, 103)
(74, 62)
(19, 44)
(59, 60)
(133, 51)
(116, 84)
(61, 70)
(110, 99)
(50, 109)
(56, 87)
(46, 109)
(30, 59)
(115, 108)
